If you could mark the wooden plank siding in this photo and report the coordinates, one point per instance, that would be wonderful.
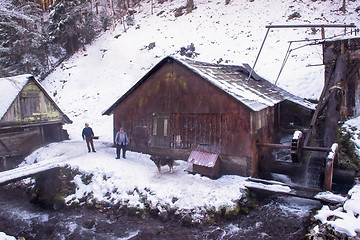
(20, 140)
(175, 111)
(31, 106)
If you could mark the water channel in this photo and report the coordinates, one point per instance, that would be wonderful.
(275, 217)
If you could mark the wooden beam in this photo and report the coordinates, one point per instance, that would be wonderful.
(351, 25)
(3, 144)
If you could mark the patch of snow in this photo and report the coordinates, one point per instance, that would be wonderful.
(332, 153)
(330, 196)
(270, 187)
(346, 217)
(3, 236)
(297, 135)
(353, 125)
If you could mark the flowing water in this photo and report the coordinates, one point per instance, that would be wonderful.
(274, 218)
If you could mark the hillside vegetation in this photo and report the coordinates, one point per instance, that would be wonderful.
(36, 40)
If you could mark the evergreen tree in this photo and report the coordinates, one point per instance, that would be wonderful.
(23, 45)
(34, 41)
(71, 24)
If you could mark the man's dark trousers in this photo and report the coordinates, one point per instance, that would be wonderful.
(118, 149)
(89, 141)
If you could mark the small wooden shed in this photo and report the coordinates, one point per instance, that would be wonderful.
(181, 104)
(29, 117)
(208, 164)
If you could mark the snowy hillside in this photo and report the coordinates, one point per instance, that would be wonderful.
(92, 80)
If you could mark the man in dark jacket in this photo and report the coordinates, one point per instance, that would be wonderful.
(88, 135)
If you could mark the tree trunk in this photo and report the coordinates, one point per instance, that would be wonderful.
(152, 7)
(190, 6)
(112, 13)
(123, 20)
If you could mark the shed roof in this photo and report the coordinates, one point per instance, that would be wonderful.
(232, 79)
(204, 159)
(256, 94)
(10, 88)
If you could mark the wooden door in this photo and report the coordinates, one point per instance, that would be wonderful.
(159, 137)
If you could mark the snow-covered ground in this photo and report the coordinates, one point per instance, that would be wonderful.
(3, 236)
(344, 219)
(92, 80)
(135, 181)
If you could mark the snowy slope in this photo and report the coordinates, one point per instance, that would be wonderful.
(92, 80)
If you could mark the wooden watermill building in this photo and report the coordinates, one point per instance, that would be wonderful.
(29, 117)
(182, 105)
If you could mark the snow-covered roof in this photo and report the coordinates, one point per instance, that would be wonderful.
(10, 88)
(204, 159)
(255, 94)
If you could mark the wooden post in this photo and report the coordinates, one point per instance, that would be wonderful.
(257, 57)
(334, 104)
(329, 167)
(42, 134)
(4, 162)
(323, 44)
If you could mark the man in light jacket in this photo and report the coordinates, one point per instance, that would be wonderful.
(121, 141)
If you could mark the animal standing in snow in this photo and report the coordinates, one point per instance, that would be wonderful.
(162, 161)
(121, 141)
(88, 135)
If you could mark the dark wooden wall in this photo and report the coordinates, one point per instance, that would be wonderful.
(175, 111)
(20, 141)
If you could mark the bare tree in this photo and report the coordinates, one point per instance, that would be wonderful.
(152, 7)
(112, 13)
(343, 7)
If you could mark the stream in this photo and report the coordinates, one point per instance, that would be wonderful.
(275, 217)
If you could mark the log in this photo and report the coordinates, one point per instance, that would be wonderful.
(334, 105)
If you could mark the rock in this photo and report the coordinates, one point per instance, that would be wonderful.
(232, 213)
(164, 216)
(186, 220)
(217, 234)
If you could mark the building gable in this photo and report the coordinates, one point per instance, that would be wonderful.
(233, 80)
(32, 105)
(174, 88)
